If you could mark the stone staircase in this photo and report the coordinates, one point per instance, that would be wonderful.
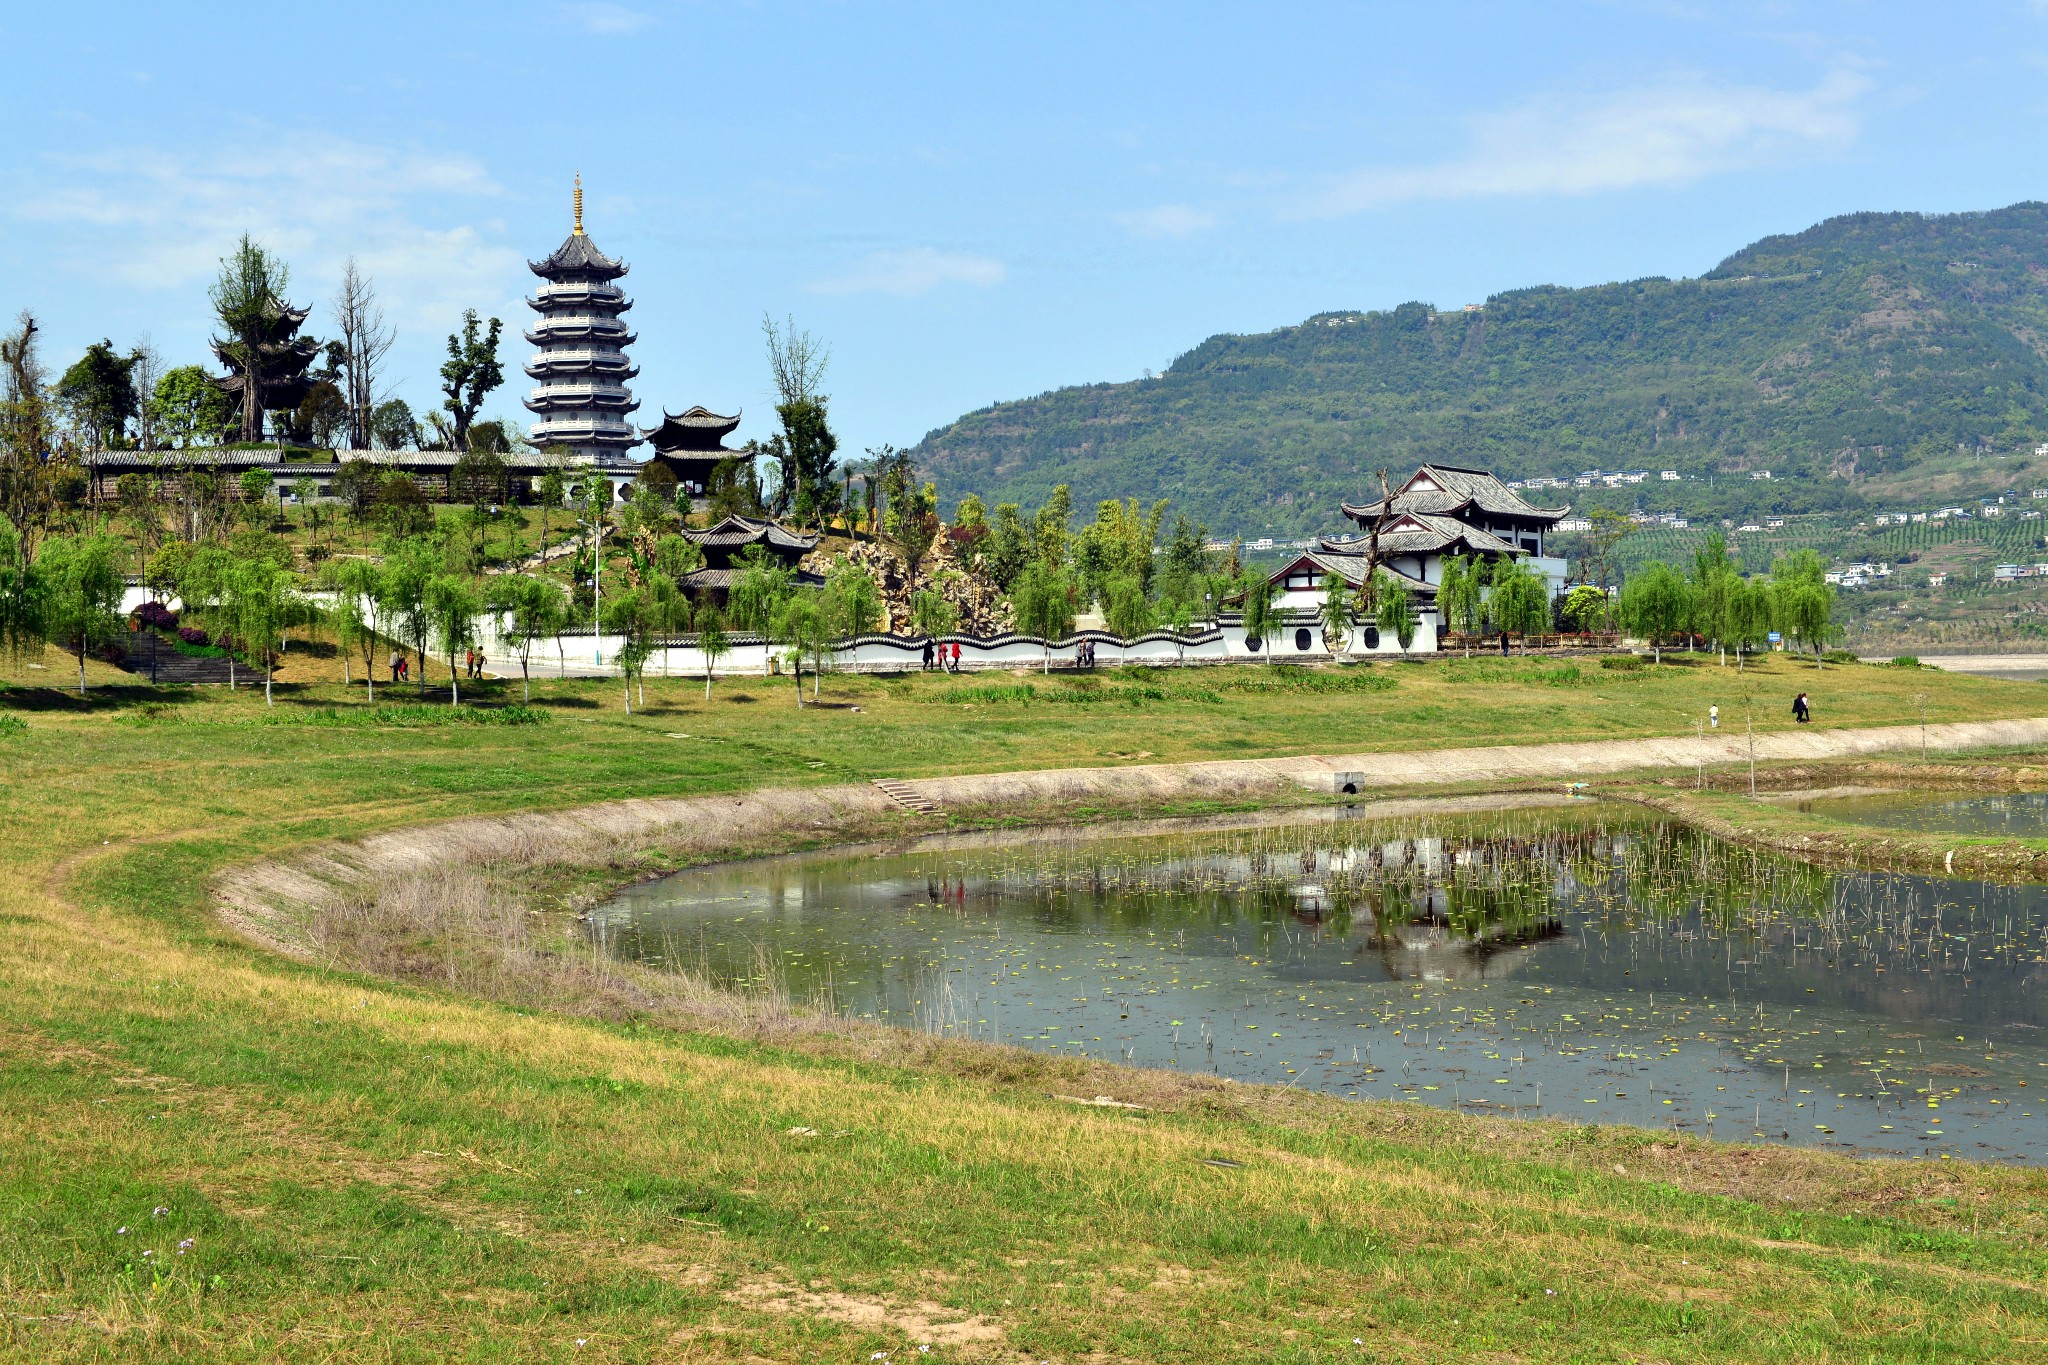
(906, 796)
(172, 668)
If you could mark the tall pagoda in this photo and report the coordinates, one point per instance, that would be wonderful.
(282, 357)
(691, 445)
(580, 365)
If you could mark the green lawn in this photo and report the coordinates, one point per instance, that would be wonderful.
(362, 1170)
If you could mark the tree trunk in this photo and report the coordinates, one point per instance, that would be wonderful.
(629, 690)
(370, 681)
(81, 663)
(525, 681)
(454, 682)
(707, 677)
(268, 669)
(796, 668)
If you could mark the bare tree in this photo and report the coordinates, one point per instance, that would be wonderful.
(798, 360)
(365, 340)
(144, 376)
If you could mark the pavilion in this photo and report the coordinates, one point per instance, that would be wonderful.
(723, 543)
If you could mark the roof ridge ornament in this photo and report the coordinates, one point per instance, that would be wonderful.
(578, 231)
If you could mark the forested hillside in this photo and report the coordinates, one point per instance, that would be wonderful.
(1864, 347)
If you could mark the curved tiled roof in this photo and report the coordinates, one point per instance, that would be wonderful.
(736, 532)
(578, 256)
(1423, 533)
(694, 430)
(1449, 489)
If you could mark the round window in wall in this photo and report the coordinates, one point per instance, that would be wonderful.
(1252, 642)
(1303, 640)
(1371, 636)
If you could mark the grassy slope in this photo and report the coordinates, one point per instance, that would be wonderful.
(379, 1172)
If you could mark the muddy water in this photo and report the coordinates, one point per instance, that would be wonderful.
(1594, 964)
(2012, 815)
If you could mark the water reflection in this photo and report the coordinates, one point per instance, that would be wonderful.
(2012, 815)
(1596, 963)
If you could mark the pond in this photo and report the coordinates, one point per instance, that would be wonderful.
(2013, 815)
(1593, 963)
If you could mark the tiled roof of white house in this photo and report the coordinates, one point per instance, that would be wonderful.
(1351, 568)
(1422, 533)
(736, 531)
(1438, 488)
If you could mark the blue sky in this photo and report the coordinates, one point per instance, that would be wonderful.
(967, 202)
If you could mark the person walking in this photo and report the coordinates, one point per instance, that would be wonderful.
(956, 656)
(1801, 711)
(927, 667)
(480, 662)
(1503, 644)
(1714, 717)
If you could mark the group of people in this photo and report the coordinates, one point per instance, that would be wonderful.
(945, 657)
(473, 663)
(401, 667)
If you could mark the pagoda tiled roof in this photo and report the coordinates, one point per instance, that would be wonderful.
(1351, 568)
(1422, 533)
(1449, 489)
(695, 430)
(724, 578)
(577, 256)
(737, 532)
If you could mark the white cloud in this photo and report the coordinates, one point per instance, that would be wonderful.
(601, 16)
(1666, 134)
(152, 219)
(918, 270)
(1166, 220)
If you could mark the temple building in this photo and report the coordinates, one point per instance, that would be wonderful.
(284, 356)
(690, 445)
(722, 545)
(580, 367)
(1441, 510)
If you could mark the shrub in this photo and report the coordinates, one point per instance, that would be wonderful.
(1622, 662)
(410, 716)
(193, 635)
(157, 616)
(1843, 656)
(11, 726)
(1905, 661)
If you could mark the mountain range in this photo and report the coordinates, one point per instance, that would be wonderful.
(1871, 347)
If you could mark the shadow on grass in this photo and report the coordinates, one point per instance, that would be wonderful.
(100, 697)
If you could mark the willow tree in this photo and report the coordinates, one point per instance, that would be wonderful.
(1394, 609)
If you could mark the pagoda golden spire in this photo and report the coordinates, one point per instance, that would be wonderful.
(579, 203)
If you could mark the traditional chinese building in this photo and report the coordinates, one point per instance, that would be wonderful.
(724, 543)
(1441, 510)
(580, 366)
(283, 356)
(690, 445)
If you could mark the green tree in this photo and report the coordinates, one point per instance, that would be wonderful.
(22, 614)
(255, 485)
(801, 628)
(392, 426)
(1803, 600)
(188, 406)
(403, 597)
(1043, 601)
(355, 585)
(759, 588)
(1657, 602)
(1336, 613)
(1746, 617)
(402, 508)
(549, 494)
(1051, 540)
(99, 389)
(1586, 607)
(1125, 608)
(1520, 602)
(80, 593)
(1259, 598)
(1713, 578)
(712, 642)
(1007, 547)
(262, 601)
(1461, 597)
(478, 479)
(247, 297)
(453, 606)
(629, 615)
(853, 604)
(932, 615)
(470, 373)
(1393, 609)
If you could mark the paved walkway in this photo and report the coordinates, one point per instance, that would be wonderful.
(1567, 761)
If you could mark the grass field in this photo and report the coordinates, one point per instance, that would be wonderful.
(215, 1154)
